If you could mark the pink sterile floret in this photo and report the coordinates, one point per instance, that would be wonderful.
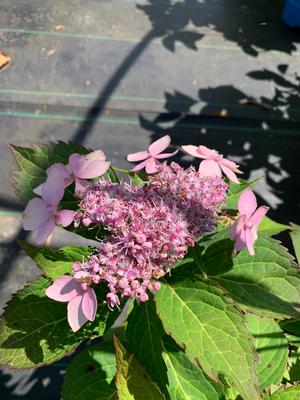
(81, 298)
(244, 230)
(214, 163)
(150, 158)
(150, 228)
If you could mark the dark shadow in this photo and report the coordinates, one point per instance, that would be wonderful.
(261, 135)
(254, 25)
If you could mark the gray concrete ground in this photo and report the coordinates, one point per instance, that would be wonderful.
(117, 74)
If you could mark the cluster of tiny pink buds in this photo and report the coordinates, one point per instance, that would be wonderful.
(150, 228)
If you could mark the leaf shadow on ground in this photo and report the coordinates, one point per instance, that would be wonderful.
(261, 135)
(254, 25)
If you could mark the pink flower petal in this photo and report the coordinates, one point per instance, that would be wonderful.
(60, 169)
(139, 166)
(35, 214)
(89, 304)
(237, 227)
(250, 241)
(239, 243)
(74, 163)
(229, 173)
(259, 214)
(76, 317)
(95, 156)
(230, 164)
(64, 217)
(88, 166)
(247, 203)
(64, 289)
(205, 152)
(139, 156)
(53, 189)
(80, 186)
(193, 150)
(159, 145)
(209, 168)
(152, 165)
(166, 155)
(45, 231)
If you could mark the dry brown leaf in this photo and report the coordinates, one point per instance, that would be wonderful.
(4, 59)
(51, 52)
(59, 27)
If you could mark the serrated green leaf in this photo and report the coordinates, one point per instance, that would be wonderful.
(144, 334)
(267, 283)
(55, 263)
(295, 236)
(33, 162)
(270, 228)
(211, 330)
(132, 381)
(164, 360)
(187, 381)
(272, 347)
(90, 376)
(290, 393)
(292, 372)
(235, 190)
(34, 330)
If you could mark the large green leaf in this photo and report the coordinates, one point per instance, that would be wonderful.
(210, 329)
(163, 359)
(34, 329)
(187, 381)
(32, 163)
(290, 393)
(90, 376)
(55, 263)
(295, 236)
(270, 228)
(272, 348)
(267, 283)
(144, 334)
(235, 190)
(132, 381)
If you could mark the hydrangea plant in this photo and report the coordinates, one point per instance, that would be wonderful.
(190, 295)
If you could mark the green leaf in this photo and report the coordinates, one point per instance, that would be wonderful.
(187, 381)
(292, 331)
(267, 283)
(270, 228)
(132, 381)
(291, 393)
(211, 330)
(55, 263)
(90, 376)
(235, 190)
(292, 372)
(32, 163)
(295, 236)
(34, 330)
(144, 333)
(164, 360)
(110, 175)
(137, 180)
(272, 347)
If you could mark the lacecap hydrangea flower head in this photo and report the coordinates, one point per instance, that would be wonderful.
(148, 228)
